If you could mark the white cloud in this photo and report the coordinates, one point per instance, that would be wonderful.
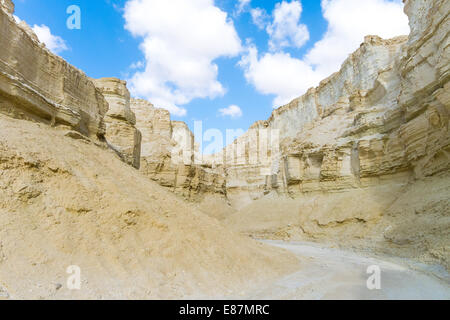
(241, 6)
(349, 21)
(54, 43)
(259, 17)
(137, 65)
(232, 111)
(286, 29)
(278, 74)
(181, 39)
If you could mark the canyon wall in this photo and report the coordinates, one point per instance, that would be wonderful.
(38, 85)
(121, 134)
(311, 144)
(384, 114)
(364, 157)
(168, 153)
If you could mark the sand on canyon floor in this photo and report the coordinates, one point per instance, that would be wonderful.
(331, 273)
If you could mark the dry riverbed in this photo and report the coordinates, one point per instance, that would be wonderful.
(330, 273)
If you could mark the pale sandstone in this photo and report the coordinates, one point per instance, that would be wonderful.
(356, 148)
(378, 116)
(168, 152)
(121, 134)
(38, 85)
(7, 5)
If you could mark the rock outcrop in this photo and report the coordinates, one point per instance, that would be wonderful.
(384, 113)
(38, 85)
(7, 6)
(121, 134)
(357, 146)
(168, 153)
(311, 144)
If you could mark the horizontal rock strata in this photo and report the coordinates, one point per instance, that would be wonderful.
(168, 153)
(38, 85)
(121, 133)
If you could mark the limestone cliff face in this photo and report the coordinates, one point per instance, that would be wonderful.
(365, 154)
(384, 114)
(7, 5)
(424, 98)
(168, 151)
(382, 119)
(36, 84)
(297, 145)
(121, 134)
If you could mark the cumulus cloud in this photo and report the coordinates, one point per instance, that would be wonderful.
(279, 74)
(180, 41)
(349, 21)
(259, 17)
(54, 43)
(286, 29)
(232, 111)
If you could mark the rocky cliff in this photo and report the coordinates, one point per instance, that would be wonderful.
(353, 150)
(37, 85)
(121, 134)
(317, 135)
(168, 153)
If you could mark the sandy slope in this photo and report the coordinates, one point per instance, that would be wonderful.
(66, 201)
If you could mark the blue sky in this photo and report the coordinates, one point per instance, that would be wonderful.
(250, 54)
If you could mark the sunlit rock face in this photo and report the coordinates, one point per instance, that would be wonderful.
(38, 85)
(7, 5)
(365, 155)
(121, 133)
(168, 153)
(312, 144)
(384, 114)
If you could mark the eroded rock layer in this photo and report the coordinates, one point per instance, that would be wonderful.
(351, 149)
(168, 153)
(121, 133)
(35, 84)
